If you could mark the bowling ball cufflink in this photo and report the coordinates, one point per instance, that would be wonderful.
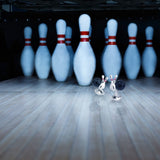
(120, 85)
(96, 81)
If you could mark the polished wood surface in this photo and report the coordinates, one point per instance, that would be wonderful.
(47, 120)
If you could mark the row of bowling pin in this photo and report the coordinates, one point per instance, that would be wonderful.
(61, 67)
(111, 58)
(62, 62)
(84, 62)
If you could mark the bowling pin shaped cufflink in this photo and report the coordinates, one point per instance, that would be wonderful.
(101, 87)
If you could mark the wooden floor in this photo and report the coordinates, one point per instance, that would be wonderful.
(46, 120)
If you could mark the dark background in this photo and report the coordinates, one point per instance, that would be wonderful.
(12, 37)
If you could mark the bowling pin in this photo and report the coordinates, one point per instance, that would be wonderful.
(84, 62)
(112, 61)
(61, 56)
(132, 60)
(43, 57)
(69, 47)
(27, 55)
(106, 43)
(149, 58)
(90, 33)
(106, 36)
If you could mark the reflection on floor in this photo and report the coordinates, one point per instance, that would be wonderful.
(47, 120)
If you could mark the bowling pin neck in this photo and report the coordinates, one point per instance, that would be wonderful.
(113, 79)
(61, 38)
(149, 43)
(90, 32)
(27, 42)
(112, 40)
(68, 41)
(106, 41)
(149, 36)
(106, 36)
(68, 36)
(42, 41)
(42, 28)
(84, 36)
(132, 40)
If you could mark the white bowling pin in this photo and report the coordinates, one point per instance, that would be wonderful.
(69, 47)
(106, 43)
(132, 60)
(43, 57)
(112, 60)
(61, 56)
(84, 60)
(149, 58)
(27, 55)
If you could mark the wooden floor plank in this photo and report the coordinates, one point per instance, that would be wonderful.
(18, 131)
(149, 138)
(111, 148)
(19, 115)
(146, 124)
(40, 137)
(66, 139)
(49, 146)
(80, 143)
(95, 137)
(123, 137)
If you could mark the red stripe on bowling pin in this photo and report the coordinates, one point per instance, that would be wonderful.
(132, 40)
(84, 36)
(112, 40)
(60, 38)
(43, 42)
(61, 41)
(106, 41)
(149, 43)
(84, 33)
(27, 42)
(112, 37)
(68, 41)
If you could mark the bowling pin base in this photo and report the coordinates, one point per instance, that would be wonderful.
(116, 98)
(132, 78)
(84, 83)
(28, 76)
(42, 78)
(148, 76)
(60, 80)
(99, 92)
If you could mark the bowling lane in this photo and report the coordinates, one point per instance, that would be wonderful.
(44, 119)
